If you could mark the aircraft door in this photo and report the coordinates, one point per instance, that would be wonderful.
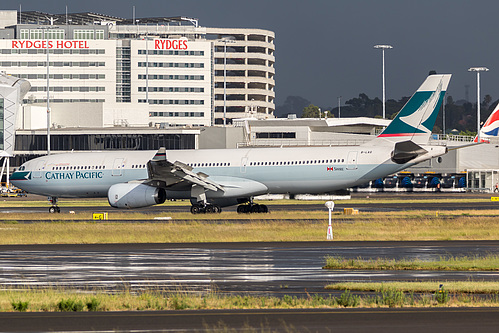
(244, 162)
(118, 167)
(352, 160)
(37, 171)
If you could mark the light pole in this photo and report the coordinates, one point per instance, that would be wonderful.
(147, 69)
(339, 107)
(383, 48)
(478, 70)
(443, 116)
(48, 93)
(46, 32)
(225, 40)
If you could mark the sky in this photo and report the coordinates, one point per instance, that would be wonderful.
(324, 48)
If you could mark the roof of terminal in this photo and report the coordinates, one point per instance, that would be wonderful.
(89, 18)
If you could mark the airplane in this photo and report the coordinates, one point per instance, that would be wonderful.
(490, 128)
(216, 178)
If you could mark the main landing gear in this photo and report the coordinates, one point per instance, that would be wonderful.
(252, 208)
(200, 208)
(54, 208)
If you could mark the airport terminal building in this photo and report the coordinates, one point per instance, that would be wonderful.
(108, 71)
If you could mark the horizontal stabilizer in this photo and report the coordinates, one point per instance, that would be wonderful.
(406, 151)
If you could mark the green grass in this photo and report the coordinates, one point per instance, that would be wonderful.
(456, 287)
(53, 300)
(226, 227)
(465, 263)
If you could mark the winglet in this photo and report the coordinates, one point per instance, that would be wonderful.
(416, 119)
(160, 155)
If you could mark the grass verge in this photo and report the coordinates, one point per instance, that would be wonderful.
(272, 228)
(456, 287)
(464, 263)
(51, 300)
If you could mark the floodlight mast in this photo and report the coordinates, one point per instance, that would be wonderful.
(383, 48)
(478, 70)
(225, 40)
(45, 30)
(339, 106)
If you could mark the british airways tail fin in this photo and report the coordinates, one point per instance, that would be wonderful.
(491, 127)
(417, 118)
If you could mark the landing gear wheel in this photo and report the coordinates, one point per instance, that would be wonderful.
(217, 209)
(209, 209)
(242, 209)
(195, 209)
(255, 209)
(264, 209)
(54, 208)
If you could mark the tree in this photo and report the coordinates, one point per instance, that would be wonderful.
(450, 100)
(292, 105)
(486, 101)
(311, 111)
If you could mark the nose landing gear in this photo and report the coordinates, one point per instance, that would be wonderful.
(54, 208)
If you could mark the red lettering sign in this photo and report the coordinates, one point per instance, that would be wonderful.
(44, 44)
(170, 44)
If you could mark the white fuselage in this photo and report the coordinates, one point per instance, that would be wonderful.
(281, 170)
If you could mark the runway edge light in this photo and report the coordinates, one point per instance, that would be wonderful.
(330, 207)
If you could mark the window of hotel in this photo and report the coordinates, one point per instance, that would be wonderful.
(176, 114)
(171, 89)
(173, 101)
(42, 34)
(54, 34)
(172, 64)
(88, 34)
(171, 52)
(83, 34)
(24, 33)
(36, 34)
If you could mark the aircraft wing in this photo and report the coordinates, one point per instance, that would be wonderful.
(163, 173)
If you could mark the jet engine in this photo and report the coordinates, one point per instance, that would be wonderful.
(135, 195)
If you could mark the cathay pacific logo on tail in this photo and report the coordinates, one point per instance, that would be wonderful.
(418, 116)
(424, 112)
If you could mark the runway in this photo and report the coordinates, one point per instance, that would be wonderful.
(439, 320)
(256, 268)
(275, 269)
(379, 202)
